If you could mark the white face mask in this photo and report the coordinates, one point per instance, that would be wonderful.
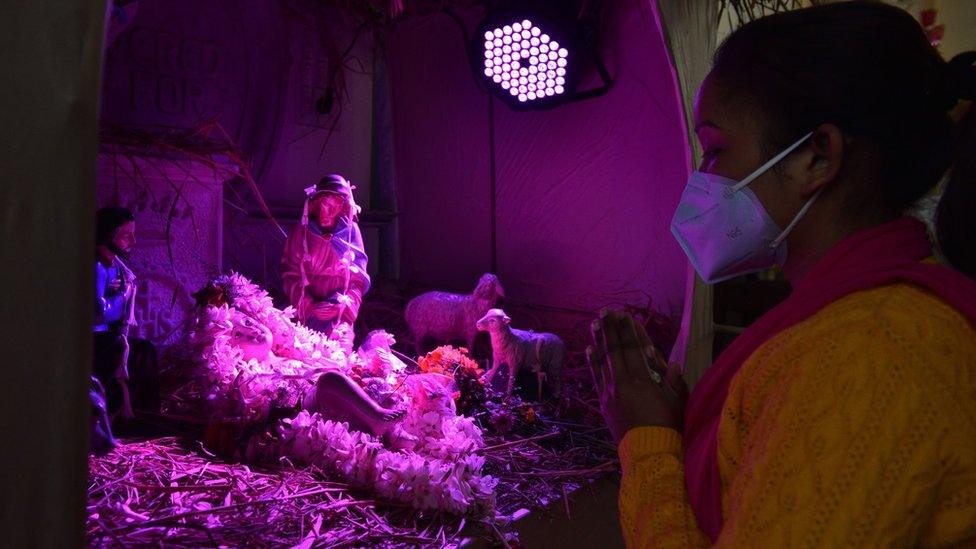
(723, 227)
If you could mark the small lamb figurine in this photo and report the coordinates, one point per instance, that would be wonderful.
(445, 316)
(514, 349)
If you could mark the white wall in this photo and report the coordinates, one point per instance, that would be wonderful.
(959, 18)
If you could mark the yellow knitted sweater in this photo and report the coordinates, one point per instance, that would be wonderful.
(854, 428)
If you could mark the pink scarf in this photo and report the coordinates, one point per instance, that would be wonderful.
(887, 254)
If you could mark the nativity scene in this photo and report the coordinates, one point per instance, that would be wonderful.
(489, 273)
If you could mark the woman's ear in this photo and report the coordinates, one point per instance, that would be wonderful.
(828, 148)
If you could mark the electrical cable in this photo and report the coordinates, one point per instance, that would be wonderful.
(492, 180)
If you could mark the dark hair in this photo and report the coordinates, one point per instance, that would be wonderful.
(869, 69)
(108, 219)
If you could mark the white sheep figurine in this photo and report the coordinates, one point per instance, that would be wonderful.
(515, 349)
(444, 316)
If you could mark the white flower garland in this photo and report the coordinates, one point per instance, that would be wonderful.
(440, 471)
(456, 484)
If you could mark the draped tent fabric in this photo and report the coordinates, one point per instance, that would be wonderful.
(690, 30)
(584, 191)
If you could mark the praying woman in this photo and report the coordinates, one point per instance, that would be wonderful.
(845, 416)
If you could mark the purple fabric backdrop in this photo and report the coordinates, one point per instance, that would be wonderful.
(585, 191)
(441, 140)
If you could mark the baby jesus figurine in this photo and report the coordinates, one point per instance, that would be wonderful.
(335, 395)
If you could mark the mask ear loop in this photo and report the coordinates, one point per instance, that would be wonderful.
(769, 164)
(796, 219)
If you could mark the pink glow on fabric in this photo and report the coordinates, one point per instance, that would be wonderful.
(585, 191)
(887, 254)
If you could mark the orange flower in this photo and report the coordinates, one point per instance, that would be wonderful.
(446, 359)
